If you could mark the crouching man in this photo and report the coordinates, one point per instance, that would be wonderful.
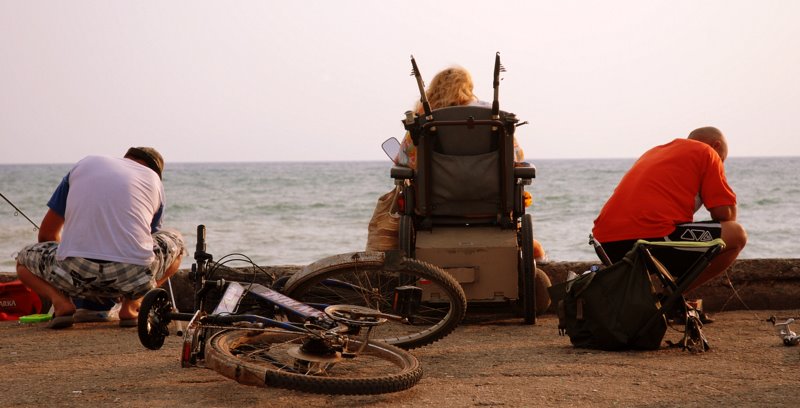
(101, 236)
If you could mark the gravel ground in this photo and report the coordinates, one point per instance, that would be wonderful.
(494, 363)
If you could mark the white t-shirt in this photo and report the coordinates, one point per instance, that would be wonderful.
(112, 207)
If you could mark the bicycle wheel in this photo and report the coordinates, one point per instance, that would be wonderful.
(153, 321)
(528, 271)
(278, 359)
(432, 302)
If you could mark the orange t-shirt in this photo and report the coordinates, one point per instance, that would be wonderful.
(659, 191)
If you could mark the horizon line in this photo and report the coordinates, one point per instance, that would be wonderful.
(371, 161)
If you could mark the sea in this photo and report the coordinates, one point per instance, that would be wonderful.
(294, 213)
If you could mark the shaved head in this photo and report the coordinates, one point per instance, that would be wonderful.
(712, 137)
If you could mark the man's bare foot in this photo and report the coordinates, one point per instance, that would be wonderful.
(129, 309)
(62, 307)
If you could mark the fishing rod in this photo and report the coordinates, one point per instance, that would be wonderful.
(17, 211)
(498, 68)
(423, 99)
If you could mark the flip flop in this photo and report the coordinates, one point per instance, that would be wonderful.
(61, 322)
(129, 322)
(90, 316)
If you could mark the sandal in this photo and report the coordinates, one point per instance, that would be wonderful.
(61, 322)
(129, 322)
(91, 316)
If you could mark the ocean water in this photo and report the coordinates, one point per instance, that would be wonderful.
(296, 213)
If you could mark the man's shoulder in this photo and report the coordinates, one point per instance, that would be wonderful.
(115, 167)
(694, 145)
(685, 143)
(687, 148)
(97, 160)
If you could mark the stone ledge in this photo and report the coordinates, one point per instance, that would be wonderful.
(758, 284)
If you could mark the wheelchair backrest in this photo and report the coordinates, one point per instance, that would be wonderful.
(465, 161)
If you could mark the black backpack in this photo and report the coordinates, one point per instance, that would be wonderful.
(615, 308)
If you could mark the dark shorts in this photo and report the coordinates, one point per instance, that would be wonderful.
(676, 260)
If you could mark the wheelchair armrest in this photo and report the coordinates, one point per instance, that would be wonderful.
(401, 172)
(525, 171)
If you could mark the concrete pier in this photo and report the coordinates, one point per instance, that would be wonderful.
(758, 284)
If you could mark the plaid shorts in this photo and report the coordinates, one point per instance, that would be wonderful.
(80, 277)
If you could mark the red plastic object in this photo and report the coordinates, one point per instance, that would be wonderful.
(17, 300)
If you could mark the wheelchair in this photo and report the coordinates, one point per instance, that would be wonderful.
(463, 208)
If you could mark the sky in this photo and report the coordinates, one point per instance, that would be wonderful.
(214, 81)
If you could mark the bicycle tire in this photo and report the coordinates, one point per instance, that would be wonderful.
(153, 321)
(370, 279)
(528, 271)
(264, 359)
(406, 235)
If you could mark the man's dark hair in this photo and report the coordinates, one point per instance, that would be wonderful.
(149, 156)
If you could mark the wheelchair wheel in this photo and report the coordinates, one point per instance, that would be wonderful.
(406, 238)
(431, 301)
(153, 321)
(527, 271)
(301, 361)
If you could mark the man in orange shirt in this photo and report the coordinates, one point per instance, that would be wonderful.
(657, 198)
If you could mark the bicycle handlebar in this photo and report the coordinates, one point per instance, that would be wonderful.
(200, 253)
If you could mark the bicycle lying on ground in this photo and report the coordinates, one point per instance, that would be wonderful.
(340, 326)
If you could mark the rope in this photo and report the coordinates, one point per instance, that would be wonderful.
(735, 294)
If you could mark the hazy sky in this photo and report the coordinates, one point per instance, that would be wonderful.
(329, 80)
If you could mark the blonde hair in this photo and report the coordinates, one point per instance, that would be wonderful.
(450, 87)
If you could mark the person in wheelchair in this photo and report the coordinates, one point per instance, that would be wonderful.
(453, 86)
(658, 196)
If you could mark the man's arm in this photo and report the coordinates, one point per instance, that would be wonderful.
(50, 230)
(723, 213)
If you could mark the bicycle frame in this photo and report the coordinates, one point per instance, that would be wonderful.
(312, 331)
(223, 317)
(305, 318)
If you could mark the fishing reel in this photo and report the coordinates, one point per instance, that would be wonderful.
(786, 334)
